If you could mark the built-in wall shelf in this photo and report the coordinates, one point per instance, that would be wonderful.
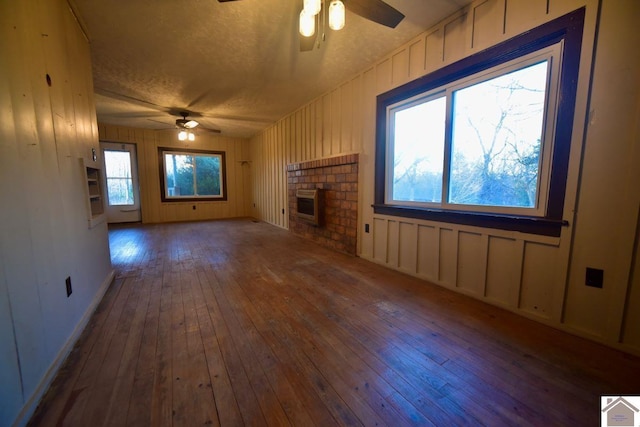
(95, 202)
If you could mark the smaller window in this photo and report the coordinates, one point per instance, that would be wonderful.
(187, 175)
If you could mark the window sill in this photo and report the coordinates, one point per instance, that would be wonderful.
(525, 224)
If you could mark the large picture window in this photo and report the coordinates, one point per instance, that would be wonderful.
(192, 174)
(484, 141)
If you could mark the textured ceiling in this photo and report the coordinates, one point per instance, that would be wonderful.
(236, 66)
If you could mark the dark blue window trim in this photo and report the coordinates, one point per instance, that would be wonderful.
(568, 28)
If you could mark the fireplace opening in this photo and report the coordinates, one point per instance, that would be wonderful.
(309, 205)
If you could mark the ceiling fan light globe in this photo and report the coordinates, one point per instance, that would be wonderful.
(191, 124)
(312, 7)
(307, 24)
(192, 136)
(182, 135)
(336, 15)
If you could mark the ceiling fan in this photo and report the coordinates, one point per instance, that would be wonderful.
(183, 123)
(186, 124)
(374, 10)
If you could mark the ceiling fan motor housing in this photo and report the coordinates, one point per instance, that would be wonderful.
(185, 123)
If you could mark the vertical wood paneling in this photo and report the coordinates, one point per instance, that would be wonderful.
(521, 14)
(488, 23)
(407, 247)
(279, 163)
(380, 232)
(346, 117)
(318, 127)
(400, 67)
(273, 164)
(45, 133)
(472, 262)
(366, 168)
(336, 121)
(393, 242)
(455, 38)
(383, 76)
(504, 270)
(428, 252)
(326, 125)
(279, 146)
(293, 135)
(417, 58)
(434, 50)
(538, 279)
(448, 259)
(312, 129)
(358, 116)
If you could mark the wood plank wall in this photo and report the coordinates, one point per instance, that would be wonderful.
(47, 129)
(153, 210)
(524, 273)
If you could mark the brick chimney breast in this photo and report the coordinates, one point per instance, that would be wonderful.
(338, 177)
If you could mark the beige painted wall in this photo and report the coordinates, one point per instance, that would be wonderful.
(154, 210)
(538, 277)
(45, 134)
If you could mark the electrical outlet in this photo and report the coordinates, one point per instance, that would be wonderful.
(68, 284)
(594, 277)
(366, 228)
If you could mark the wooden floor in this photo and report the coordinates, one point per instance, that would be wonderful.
(241, 323)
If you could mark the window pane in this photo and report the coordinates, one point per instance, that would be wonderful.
(497, 131)
(179, 169)
(120, 191)
(118, 173)
(208, 175)
(418, 150)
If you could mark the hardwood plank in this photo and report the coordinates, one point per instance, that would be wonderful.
(116, 407)
(278, 381)
(245, 397)
(162, 382)
(139, 408)
(271, 408)
(218, 376)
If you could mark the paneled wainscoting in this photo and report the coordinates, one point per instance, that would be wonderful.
(237, 322)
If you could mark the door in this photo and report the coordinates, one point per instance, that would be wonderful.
(121, 182)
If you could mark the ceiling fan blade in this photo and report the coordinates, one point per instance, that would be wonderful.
(376, 11)
(168, 125)
(224, 1)
(127, 98)
(209, 129)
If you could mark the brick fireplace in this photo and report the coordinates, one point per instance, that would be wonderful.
(337, 178)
